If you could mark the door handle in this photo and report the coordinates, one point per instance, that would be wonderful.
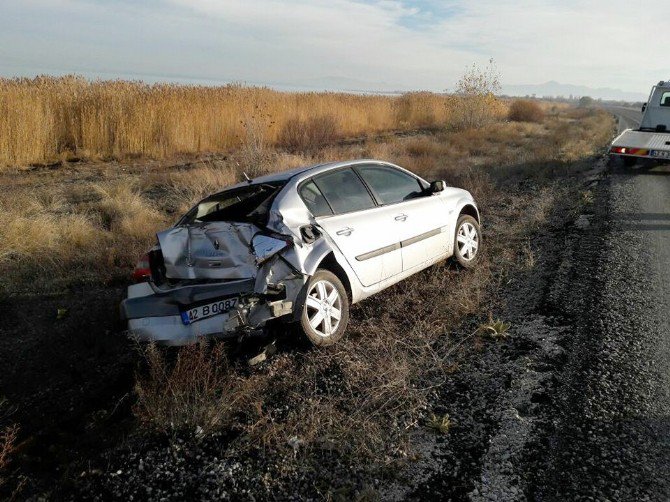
(401, 217)
(345, 231)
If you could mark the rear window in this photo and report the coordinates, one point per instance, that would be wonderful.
(249, 204)
(314, 199)
(665, 99)
(344, 191)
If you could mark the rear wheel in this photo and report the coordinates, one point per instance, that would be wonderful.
(325, 313)
(467, 241)
(629, 161)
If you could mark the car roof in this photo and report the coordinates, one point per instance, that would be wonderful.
(307, 171)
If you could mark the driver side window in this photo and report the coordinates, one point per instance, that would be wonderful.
(390, 185)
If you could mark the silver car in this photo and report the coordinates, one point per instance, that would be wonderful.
(298, 246)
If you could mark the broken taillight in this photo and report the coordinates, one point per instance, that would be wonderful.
(142, 271)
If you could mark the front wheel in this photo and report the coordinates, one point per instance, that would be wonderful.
(325, 312)
(467, 241)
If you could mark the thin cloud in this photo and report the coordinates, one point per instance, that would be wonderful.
(423, 44)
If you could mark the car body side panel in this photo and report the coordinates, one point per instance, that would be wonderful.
(369, 240)
(421, 229)
(323, 247)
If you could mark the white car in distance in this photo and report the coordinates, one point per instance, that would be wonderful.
(297, 246)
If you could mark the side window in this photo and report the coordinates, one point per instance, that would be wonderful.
(390, 185)
(314, 199)
(665, 99)
(344, 191)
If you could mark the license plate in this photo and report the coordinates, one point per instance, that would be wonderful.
(660, 153)
(204, 311)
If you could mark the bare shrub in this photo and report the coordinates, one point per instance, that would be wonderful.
(475, 102)
(523, 110)
(586, 102)
(193, 393)
(309, 134)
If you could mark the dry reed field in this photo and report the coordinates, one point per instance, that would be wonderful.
(47, 119)
(306, 418)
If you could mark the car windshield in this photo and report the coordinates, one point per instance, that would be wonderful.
(249, 204)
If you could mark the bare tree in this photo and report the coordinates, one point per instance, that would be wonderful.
(476, 91)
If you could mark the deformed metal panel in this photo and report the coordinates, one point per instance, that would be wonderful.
(212, 250)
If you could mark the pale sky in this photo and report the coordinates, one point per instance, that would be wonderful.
(385, 44)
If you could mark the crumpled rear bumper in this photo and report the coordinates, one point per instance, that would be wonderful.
(144, 301)
(153, 315)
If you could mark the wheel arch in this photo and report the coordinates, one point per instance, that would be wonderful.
(470, 210)
(327, 259)
(330, 263)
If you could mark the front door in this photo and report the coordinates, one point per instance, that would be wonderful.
(420, 218)
(365, 234)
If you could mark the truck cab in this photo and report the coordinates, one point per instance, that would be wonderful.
(652, 139)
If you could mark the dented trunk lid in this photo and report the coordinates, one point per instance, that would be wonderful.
(209, 250)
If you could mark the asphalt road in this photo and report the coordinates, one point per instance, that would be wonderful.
(629, 118)
(610, 437)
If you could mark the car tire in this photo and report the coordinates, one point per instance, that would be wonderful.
(325, 298)
(467, 241)
(629, 161)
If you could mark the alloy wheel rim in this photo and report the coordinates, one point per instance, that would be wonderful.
(323, 308)
(468, 241)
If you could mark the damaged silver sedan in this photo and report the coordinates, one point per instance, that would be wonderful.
(298, 246)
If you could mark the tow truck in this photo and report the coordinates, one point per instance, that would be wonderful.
(652, 139)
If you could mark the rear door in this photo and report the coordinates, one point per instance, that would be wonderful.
(421, 218)
(365, 234)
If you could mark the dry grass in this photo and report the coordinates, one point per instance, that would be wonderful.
(195, 392)
(523, 110)
(48, 119)
(308, 134)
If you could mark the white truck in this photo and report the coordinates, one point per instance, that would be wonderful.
(652, 139)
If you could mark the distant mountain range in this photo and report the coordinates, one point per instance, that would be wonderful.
(346, 84)
(553, 88)
(548, 89)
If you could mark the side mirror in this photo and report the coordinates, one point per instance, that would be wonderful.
(644, 107)
(437, 186)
